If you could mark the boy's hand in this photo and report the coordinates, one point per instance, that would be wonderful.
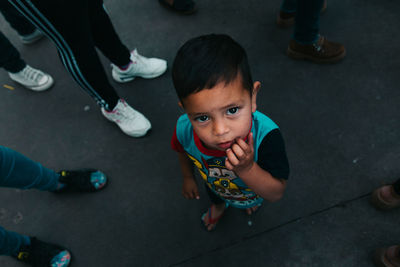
(189, 189)
(240, 157)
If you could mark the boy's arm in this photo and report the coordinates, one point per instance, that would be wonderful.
(240, 159)
(189, 189)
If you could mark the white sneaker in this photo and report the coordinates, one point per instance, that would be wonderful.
(131, 121)
(140, 67)
(33, 79)
(31, 38)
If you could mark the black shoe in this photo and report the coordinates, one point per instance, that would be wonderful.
(84, 180)
(41, 254)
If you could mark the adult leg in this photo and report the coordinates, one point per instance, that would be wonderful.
(126, 66)
(307, 43)
(10, 59)
(72, 36)
(18, 171)
(16, 20)
(10, 242)
(307, 21)
(104, 35)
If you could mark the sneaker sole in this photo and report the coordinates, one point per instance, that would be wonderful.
(136, 135)
(300, 56)
(131, 78)
(40, 88)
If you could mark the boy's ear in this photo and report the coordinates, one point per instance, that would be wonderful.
(181, 106)
(256, 88)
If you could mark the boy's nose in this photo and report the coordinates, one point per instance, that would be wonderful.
(220, 128)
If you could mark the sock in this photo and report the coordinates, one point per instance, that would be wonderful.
(125, 67)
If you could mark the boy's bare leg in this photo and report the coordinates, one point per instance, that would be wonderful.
(216, 212)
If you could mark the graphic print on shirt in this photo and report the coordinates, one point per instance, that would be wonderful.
(225, 183)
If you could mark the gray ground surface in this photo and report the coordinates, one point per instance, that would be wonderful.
(340, 123)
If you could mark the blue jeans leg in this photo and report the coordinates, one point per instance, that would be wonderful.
(10, 242)
(18, 171)
(306, 30)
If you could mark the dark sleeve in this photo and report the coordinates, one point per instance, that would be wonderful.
(272, 155)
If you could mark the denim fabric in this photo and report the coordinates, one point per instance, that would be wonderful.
(306, 29)
(18, 171)
(10, 242)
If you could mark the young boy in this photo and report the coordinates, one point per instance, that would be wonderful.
(239, 152)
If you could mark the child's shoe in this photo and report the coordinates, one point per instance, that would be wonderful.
(322, 51)
(387, 257)
(41, 254)
(31, 38)
(33, 79)
(84, 180)
(287, 19)
(385, 198)
(131, 121)
(139, 67)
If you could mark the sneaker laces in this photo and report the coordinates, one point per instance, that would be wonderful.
(125, 112)
(318, 45)
(32, 74)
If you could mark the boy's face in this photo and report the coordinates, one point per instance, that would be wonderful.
(221, 114)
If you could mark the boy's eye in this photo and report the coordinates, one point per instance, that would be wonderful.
(232, 110)
(201, 118)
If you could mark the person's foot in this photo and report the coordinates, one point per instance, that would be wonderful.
(212, 216)
(387, 257)
(140, 66)
(287, 19)
(40, 253)
(33, 79)
(83, 180)
(185, 7)
(31, 38)
(131, 121)
(322, 51)
(385, 198)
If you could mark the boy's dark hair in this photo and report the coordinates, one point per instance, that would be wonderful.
(204, 61)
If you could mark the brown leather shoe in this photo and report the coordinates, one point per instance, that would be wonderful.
(387, 201)
(286, 19)
(322, 51)
(387, 257)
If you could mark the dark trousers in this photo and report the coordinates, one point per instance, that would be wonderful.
(77, 27)
(216, 200)
(306, 29)
(10, 58)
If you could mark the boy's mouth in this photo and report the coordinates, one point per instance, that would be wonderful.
(225, 145)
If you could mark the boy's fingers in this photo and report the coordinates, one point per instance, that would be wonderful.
(251, 140)
(228, 165)
(232, 157)
(238, 151)
(242, 143)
